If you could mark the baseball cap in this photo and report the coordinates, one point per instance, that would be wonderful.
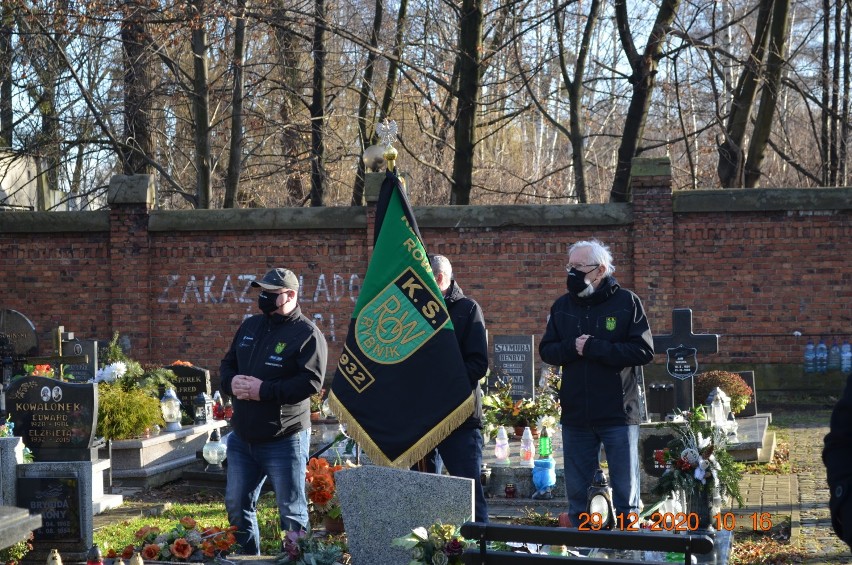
(278, 278)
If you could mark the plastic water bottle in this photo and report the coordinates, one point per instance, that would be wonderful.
(501, 448)
(834, 357)
(810, 358)
(527, 448)
(821, 357)
(846, 357)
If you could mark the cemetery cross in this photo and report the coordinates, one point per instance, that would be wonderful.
(681, 347)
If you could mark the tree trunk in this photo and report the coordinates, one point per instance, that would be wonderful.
(201, 104)
(731, 151)
(235, 154)
(470, 52)
(318, 107)
(643, 80)
(137, 92)
(6, 57)
(291, 139)
(769, 97)
(393, 63)
(363, 101)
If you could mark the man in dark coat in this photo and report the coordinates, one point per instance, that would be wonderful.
(461, 451)
(837, 456)
(599, 334)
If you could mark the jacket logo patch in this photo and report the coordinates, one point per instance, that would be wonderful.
(280, 346)
(610, 323)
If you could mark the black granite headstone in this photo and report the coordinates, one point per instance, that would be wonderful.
(57, 499)
(18, 341)
(55, 419)
(751, 407)
(650, 446)
(82, 372)
(513, 361)
(189, 381)
(682, 347)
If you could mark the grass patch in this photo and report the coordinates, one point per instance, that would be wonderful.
(210, 513)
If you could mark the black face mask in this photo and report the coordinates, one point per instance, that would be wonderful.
(576, 281)
(266, 301)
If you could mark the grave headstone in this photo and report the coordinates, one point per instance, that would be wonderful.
(81, 372)
(682, 347)
(18, 341)
(11, 454)
(514, 361)
(381, 503)
(56, 420)
(189, 381)
(16, 525)
(61, 492)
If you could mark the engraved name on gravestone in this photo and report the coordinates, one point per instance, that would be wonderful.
(189, 381)
(513, 361)
(56, 420)
(57, 499)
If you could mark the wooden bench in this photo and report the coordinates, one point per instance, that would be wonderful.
(656, 541)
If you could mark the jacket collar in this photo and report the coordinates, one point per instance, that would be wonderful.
(606, 289)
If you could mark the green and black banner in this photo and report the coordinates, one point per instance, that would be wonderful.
(401, 386)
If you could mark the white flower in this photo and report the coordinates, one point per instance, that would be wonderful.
(699, 474)
(547, 421)
(111, 372)
(702, 441)
(440, 558)
(420, 533)
(690, 455)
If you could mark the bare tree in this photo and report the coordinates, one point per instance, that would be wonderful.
(137, 91)
(235, 154)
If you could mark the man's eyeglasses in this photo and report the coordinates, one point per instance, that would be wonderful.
(580, 268)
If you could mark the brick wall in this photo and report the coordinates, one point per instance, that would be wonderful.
(754, 266)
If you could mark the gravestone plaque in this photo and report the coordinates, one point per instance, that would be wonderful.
(81, 372)
(56, 420)
(682, 347)
(189, 381)
(513, 361)
(751, 407)
(57, 499)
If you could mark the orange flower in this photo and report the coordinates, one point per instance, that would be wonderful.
(323, 482)
(146, 531)
(188, 523)
(223, 544)
(151, 552)
(208, 549)
(317, 466)
(184, 363)
(181, 548)
(321, 497)
(128, 552)
(111, 554)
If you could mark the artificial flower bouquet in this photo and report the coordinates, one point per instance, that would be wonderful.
(322, 490)
(185, 542)
(304, 549)
(440, 544)
(697, 460)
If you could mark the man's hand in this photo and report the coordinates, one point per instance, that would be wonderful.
(245, 387)
(580, 343)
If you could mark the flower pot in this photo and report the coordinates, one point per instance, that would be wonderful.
(519, 432)
(333, 525)
(316, 416)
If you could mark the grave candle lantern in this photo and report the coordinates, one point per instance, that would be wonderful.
(199, 403)
(170, 405)
(214, 452)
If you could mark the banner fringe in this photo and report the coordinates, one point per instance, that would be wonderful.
(416, 452)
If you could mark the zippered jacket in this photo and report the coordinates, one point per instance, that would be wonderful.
(469, 324)
(599, 387)
(289, 354)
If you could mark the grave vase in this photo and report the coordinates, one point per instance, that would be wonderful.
(699, 509)
(333, 525)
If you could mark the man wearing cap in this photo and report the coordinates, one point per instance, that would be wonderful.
(275, 363)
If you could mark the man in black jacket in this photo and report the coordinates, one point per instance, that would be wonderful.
(837, 456)
(599, 334)
(275, 363)
(461, 451)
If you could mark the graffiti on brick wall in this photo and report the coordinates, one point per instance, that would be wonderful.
(231, 289)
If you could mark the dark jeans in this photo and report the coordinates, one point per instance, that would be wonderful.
(461, 454)
(249, 464)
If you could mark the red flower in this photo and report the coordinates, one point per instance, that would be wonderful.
(181, 548)
(128, 552)
(151, 552)
(208, 549)
(111, 554)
